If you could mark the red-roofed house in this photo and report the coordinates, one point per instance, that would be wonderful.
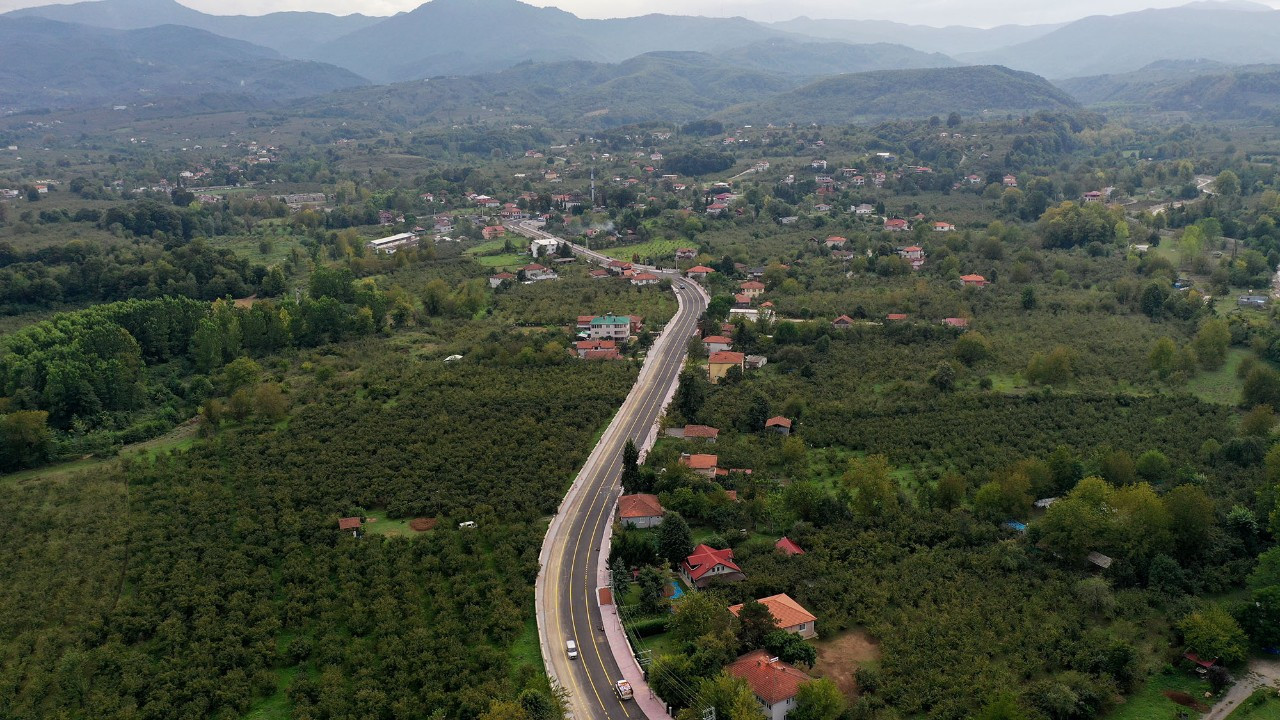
(788, 614)
(961, 323)
(698, 272)
(718, 364)
(640, 510)
(496, 280)
(943, 227)
(686, 253)
(895, 317)
(778, 424)
(352, 524)
(493, 231)
(708, 564)
(586, 347)
(752, 288)
(973, 281)
(896, 225)
(717, 343)
(788, 546)
(598, 274)
(836, 241)
(603, 354)
(774, 683)
(644, 278)
(842, 322)
(700, 463)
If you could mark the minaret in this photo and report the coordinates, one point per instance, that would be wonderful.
(593, 188)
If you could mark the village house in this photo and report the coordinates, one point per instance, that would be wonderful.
(686, 253)
(644, 278)
(493, 231)
(718, 364)
(896, 225)
(1010, 181)
(717, 343)
(610, 327)
(716, 208)
(956, 322)
(895, 317)
(864, 209)
(1091, 196)
(352, 525)
(778, 424)
(598, 274)
(640, 510)
(497, 280)
(701, 463)
(596, 349)
(836, 241)
(533, 272)
(788, 614)
(752, 288)
(617, 267)
(391, 243)
(788, 547)
(755, 362)
(695, 432)
(637, 323)
(842, 322)
(1252, 301)
(707, 564)
(973, 281)
(973, 179)
(774, 683)
(943, 227)
(583, 325)
(698, 272)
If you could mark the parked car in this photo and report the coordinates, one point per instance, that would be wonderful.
(624, 690)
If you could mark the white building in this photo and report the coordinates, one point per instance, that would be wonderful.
(391, 243)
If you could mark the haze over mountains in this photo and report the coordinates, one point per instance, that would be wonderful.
(148, 48)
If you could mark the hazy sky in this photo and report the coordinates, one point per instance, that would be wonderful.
(979, 13)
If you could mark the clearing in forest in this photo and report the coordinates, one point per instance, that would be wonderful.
(841, 656)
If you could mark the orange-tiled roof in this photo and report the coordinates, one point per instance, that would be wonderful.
(785, 611)
(701, 431)
(350, 523)
(778, 421)
(752, 285)
(772, 682)
(788, 546)
(705, 557)
(700, 269)
(727, 356)
(700, 461)
(639, 505)
(718, 339)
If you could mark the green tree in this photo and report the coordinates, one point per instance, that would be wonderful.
(652, 582)
(730, 696)
(755, 623)
(1212, 633)
(1153, 466)
(1211, 343)
(696, 614)
(25, 438)
(1192, 518)
(818, 700)
(1261, 387)
(675, 540)
(1055, 368)
(1258, 422)
(872, 490)
(1001, 707)
(1028, 298)
(1117, 468)
(1163, 358)
(1227, 183)
(630, 466)
(972, 347)
(791, 648)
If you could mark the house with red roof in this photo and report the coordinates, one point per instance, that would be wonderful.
(836, 241)
(973, 281)
(896, 225)
(752, 288)
(956, 322)
(778, 424)
(351, 525)
(598, 274)
(640, 510)
(603, 349)
(707, 564)
(644, 278)
(774, 683)
(943, 227)
(686, 253)
(787, 614)
(695, 432)
(493, 231)
(699, 272)
(701, 463)
(1010, 181)
(717, 343)
(788, 546)
(842, 322)
(497, 280)
(719, 363)
(895, 317)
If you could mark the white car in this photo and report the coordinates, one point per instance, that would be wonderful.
(571, 648)
(623, 689)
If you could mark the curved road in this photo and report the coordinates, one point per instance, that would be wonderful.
(567, 604)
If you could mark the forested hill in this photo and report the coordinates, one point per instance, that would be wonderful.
(669, 85)
(44, 62)
(1201, 87)
(907, 93)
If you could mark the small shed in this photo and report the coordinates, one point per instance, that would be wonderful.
(351, 524)
(1100, 560)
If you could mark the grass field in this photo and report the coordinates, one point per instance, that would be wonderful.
(376, 523)
(526, 652)
(502, 261)
(1220, 386)
(180, 438)
(1149, 702)
(651, 249)
(1263, 704)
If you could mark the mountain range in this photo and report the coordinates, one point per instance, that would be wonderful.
(1204, 87)
(49, 63)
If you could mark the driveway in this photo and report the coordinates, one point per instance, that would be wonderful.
(1260, 673)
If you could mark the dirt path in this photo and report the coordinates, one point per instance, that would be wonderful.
(840, 657)
(1260, 673)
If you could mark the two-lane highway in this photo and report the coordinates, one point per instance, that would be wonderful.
(567, 604)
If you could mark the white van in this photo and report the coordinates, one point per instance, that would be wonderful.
(572, 648)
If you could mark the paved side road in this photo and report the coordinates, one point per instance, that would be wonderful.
(1261, 673)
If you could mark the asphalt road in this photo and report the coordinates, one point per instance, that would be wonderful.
(568, 607)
